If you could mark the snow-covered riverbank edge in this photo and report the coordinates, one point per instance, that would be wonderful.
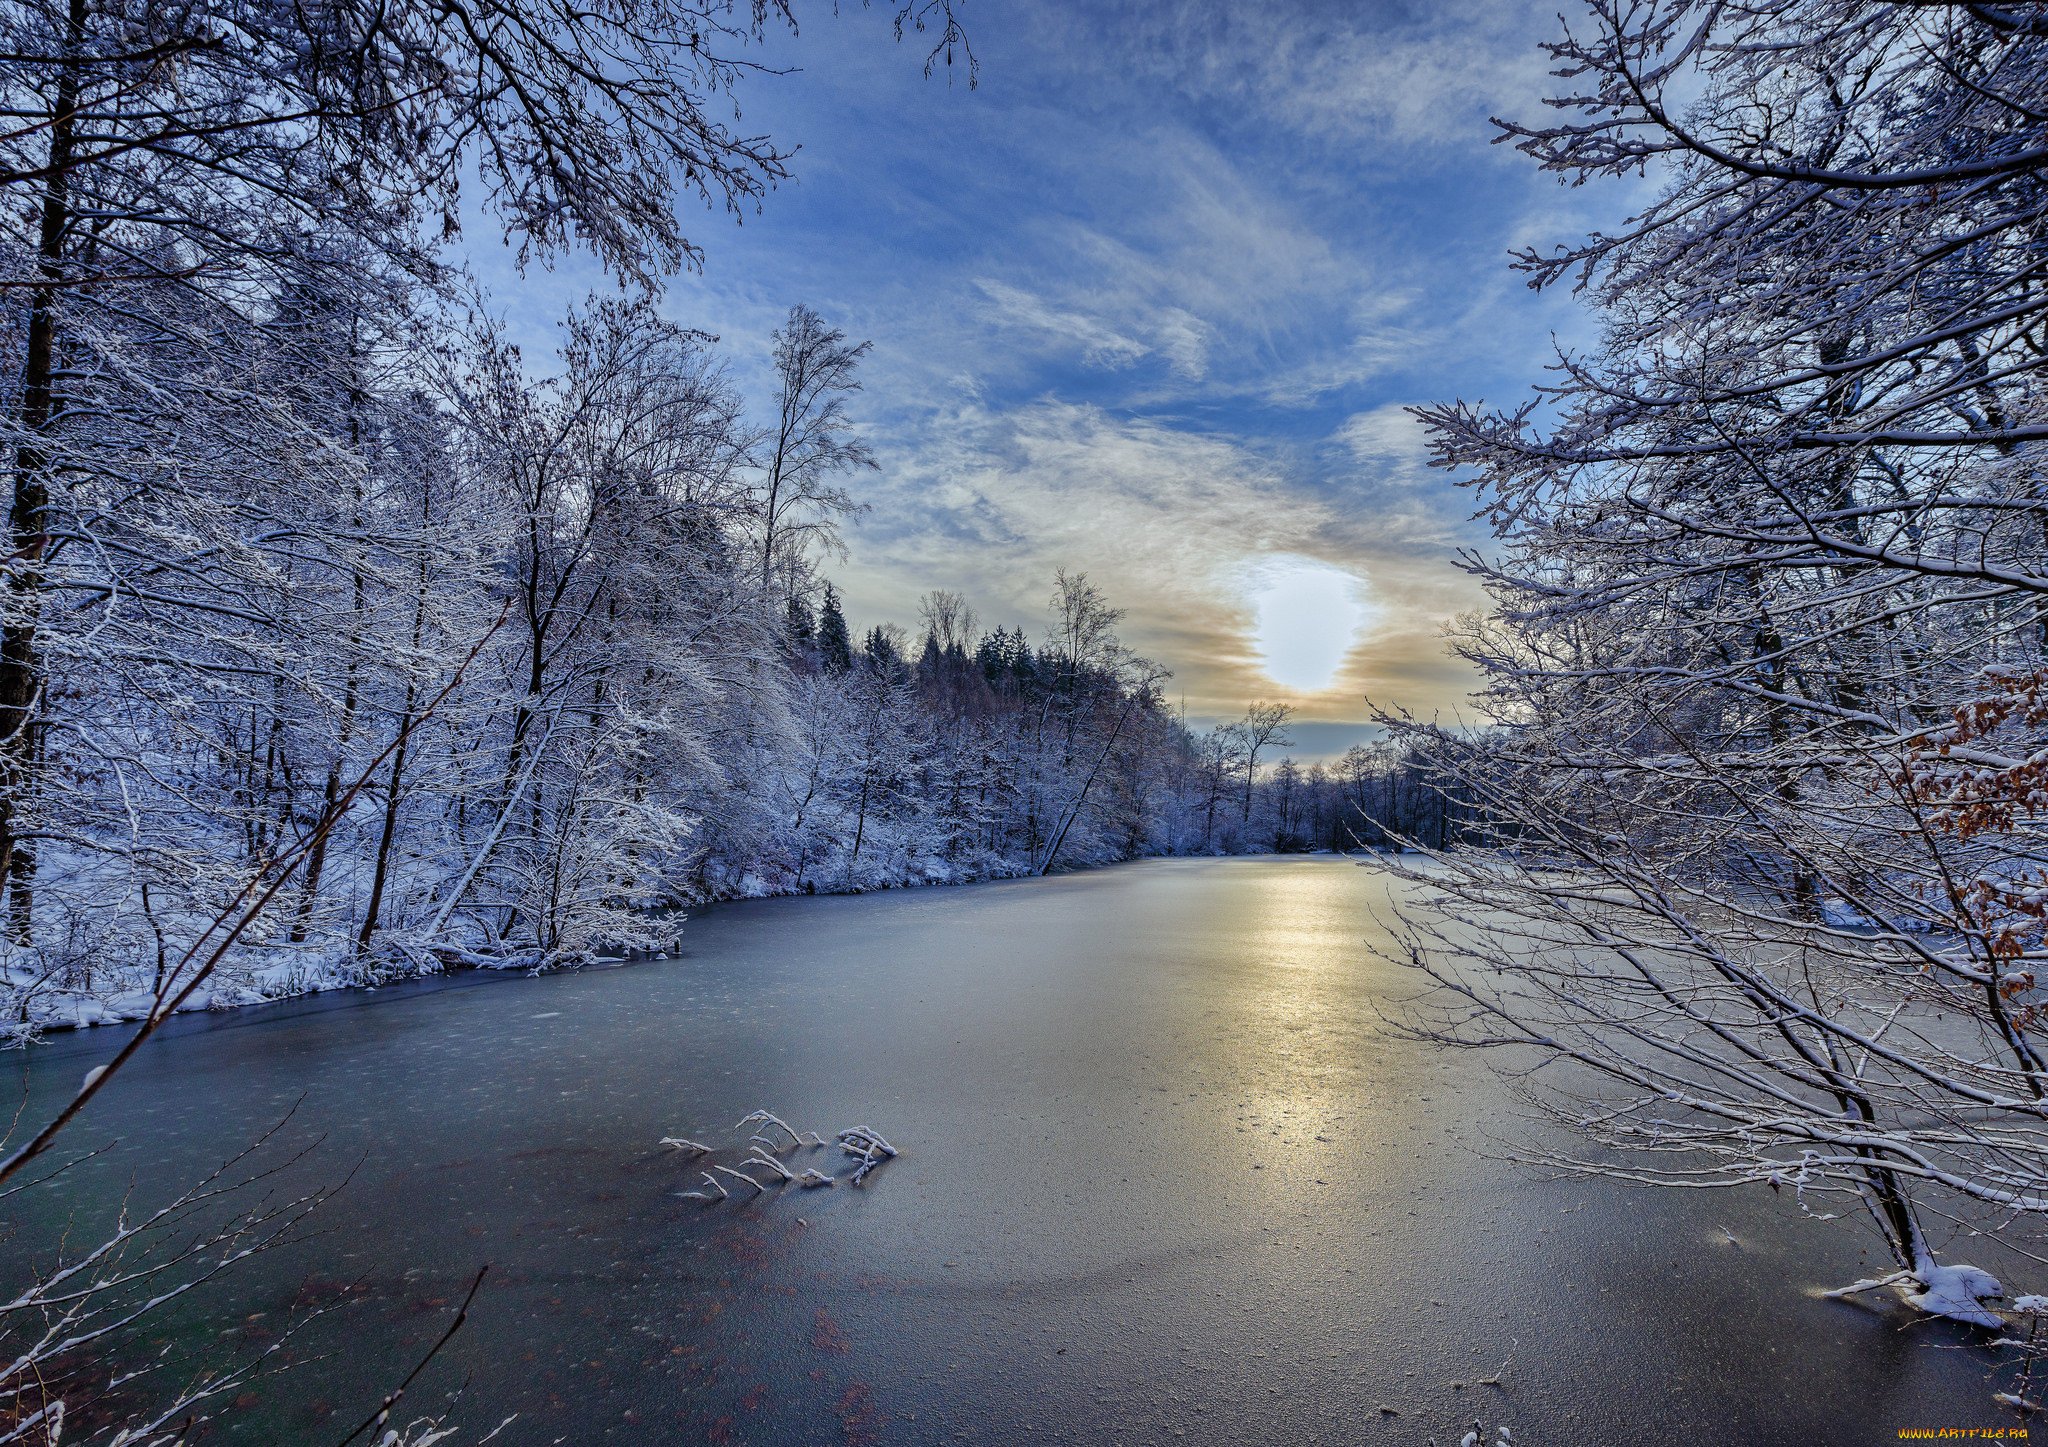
(272, 972)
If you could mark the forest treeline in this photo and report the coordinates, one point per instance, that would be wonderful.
(533, 655)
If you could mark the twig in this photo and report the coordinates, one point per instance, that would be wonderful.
(711, 1181)
(866, 1143)
(762, 1158)
(766, 1118)
(740, 1176)
(383, 1412)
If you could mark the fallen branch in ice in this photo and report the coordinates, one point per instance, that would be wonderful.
(711, 1181)
(762, 1158)
(866, 1143)
(1868, 1283)
(763, 1117)
(740, 1176)
(1502, 1369)
(862, 1139)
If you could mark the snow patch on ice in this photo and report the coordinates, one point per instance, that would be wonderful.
(1956, 1292)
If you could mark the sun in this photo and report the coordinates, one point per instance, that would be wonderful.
(1306, 614)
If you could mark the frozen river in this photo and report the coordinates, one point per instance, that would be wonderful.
(1166, 1174)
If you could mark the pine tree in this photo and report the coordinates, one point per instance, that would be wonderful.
(988, 656)
(881, 651)
(835, 647)
(799, 624)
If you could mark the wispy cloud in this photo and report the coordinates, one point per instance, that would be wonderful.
(1096, 343)
(1389, 444)
(1415, 74)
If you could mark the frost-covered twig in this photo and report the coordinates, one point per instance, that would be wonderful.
(813, 1178)
(868, 1144)
(762, 1117)
(740, 1176)
(680, 1143)
(719, 1192)
(762, 1158)
(862, 1139)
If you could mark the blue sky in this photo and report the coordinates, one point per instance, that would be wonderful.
(1147, 303)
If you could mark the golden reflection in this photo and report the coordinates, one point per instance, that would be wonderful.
(1293, 1022)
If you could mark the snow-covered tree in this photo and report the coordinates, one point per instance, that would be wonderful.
(1769, 620)
(811, 442)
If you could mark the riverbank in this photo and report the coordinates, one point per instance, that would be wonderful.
(266, 970)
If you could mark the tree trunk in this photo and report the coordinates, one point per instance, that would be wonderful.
(380, 871)
(22, 682)
(316, 862)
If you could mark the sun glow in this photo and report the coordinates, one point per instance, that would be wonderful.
(1306, 615)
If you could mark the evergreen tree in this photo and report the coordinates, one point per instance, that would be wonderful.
(988, 657)
(881, 651)
(835, 647)
(799, 624)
